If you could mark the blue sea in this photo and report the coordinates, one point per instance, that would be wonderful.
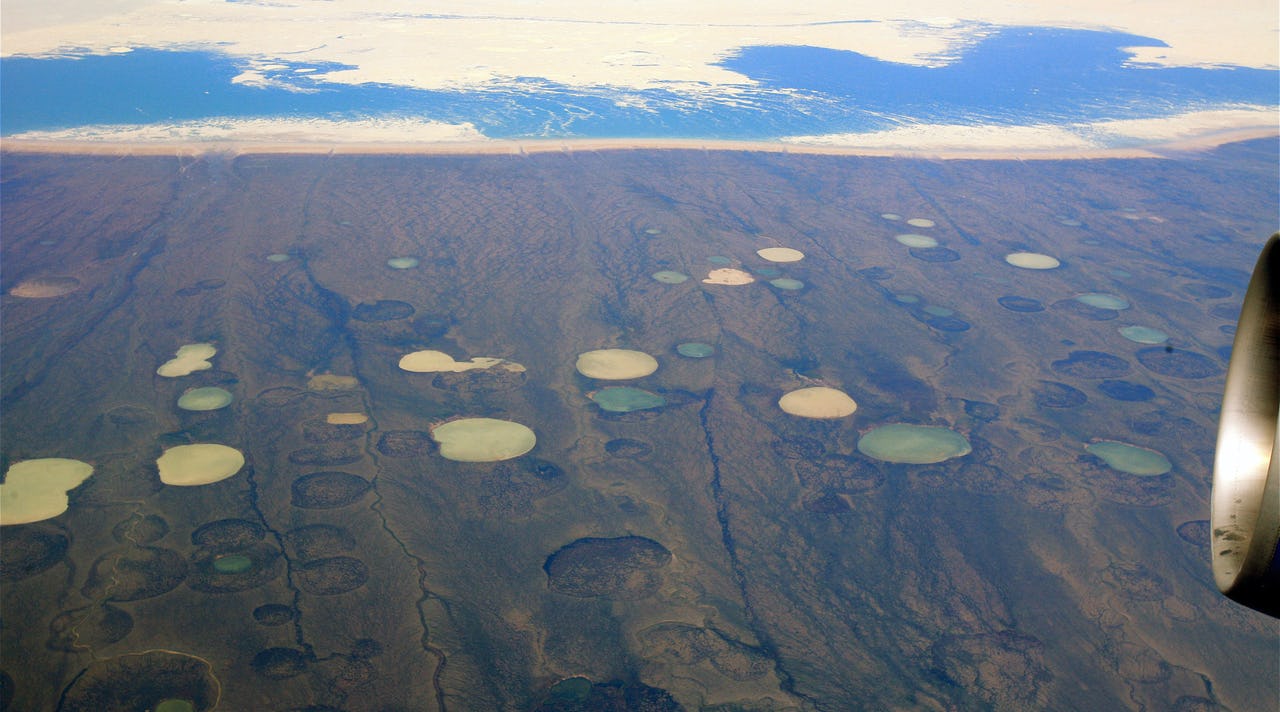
(1014, 76)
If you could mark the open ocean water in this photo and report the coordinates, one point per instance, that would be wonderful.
(1014, 76)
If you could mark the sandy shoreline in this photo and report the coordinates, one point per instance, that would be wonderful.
(1201, 143)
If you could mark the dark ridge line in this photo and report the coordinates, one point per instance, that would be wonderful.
(177, 189)
(156, 247)
(1208, 687)
(420, 565)
(20, 391)
(941, 337)
(338, 327)
(100, 602)
(915, 184)
(792, 309)
(767, 646)
(106, 597)
(335, 310)
(106, 594)
(298, 636)
(614, 307)
(62, 697)
(333, 306)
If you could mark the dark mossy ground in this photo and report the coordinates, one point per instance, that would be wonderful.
(714, 552)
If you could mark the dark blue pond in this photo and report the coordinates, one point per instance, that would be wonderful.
(1015, 76)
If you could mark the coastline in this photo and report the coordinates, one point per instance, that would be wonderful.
(1162, 149)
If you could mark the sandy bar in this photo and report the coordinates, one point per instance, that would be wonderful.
(1210, 141)
(523, 147)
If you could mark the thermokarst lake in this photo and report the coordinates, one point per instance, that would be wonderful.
(642, 429)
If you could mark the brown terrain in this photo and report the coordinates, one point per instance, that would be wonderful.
(712, 553)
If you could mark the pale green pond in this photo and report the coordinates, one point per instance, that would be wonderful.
(209, 398)
(695, 349)
(913, 444)
(667, 276)
(624, 399)
(1130, 458)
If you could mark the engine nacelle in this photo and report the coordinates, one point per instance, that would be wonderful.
(1245, 517)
